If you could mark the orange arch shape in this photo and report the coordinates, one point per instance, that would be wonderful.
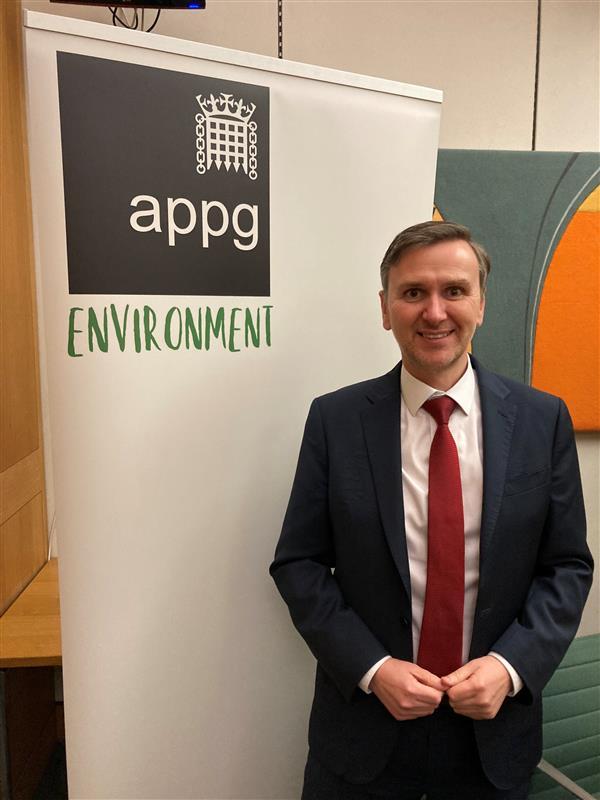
(566, 357)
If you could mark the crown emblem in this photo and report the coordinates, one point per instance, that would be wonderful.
(226, 134)
(225, 106)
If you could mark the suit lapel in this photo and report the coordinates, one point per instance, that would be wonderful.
(498, 416)
(381, 425)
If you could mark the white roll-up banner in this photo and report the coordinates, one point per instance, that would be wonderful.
(209, 226)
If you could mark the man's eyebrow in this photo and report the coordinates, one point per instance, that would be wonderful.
(457, 282)
(416, 284)
(410, 285)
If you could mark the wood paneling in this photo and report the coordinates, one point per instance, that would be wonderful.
(19, 430)
(19, 483)
(23, 532)
(30, 629)
(23, 544)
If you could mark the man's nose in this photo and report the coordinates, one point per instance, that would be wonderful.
(435, 309)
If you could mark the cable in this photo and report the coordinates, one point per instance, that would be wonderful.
(117, 19)
(537, 75)
(136, 20)
(151, 28)
(133, 26)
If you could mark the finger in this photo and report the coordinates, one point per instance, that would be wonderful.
(481, 703)
(426, 712)
(417, 710)
(415, 704)
(426, 694)
(476, 712)
(458, 676)
(464, 706)
(468, 711)
(430, 700)
(428, 678)
(405, 712)
(462, 692)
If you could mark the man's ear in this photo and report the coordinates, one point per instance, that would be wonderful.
(481, 312)
(385, 317)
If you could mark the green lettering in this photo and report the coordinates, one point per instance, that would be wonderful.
(192, 331)
(119, 331)
(137, 338)
(94, 331)
(268, 324)
(233, 330)
(217, 328)
(72, 331)
(149, 326)
(168, 339)
(249, 327)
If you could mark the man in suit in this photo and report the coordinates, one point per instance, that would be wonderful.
(433, 553)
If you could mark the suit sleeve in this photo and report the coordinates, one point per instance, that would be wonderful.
(303, 570)
(536, 642)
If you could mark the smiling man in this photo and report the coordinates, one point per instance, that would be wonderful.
(433, 303)
(433, 553)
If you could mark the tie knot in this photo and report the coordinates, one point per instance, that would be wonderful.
(440, 408)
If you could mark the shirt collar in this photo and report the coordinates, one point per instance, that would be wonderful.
(415, 392)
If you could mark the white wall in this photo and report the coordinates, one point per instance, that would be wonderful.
(459, 47)
(480, 52)
(569, 86)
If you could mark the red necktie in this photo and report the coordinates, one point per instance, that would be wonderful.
(440, 647)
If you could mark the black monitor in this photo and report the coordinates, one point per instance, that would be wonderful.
(155, 4)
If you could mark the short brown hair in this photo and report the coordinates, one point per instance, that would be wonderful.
(428, 233)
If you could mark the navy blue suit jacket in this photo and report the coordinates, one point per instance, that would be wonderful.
(341, 565)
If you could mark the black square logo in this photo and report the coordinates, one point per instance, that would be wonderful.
(166, 179)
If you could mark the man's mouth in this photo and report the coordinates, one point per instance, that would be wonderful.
(436, 335)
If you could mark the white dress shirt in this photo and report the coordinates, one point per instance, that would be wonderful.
(417, 429)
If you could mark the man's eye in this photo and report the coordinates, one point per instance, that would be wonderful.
(412, 294)
(454, 291)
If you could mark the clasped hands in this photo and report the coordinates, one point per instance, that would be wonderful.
(475, 690)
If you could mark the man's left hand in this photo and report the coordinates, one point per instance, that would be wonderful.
(478, 688)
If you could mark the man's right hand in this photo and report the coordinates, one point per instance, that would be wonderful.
(406, 690)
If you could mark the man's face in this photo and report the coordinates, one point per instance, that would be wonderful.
(433, 305)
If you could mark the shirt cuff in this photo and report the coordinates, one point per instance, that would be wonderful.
(517, 683)
(368, 676)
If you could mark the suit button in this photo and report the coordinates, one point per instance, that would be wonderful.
(404, 622)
